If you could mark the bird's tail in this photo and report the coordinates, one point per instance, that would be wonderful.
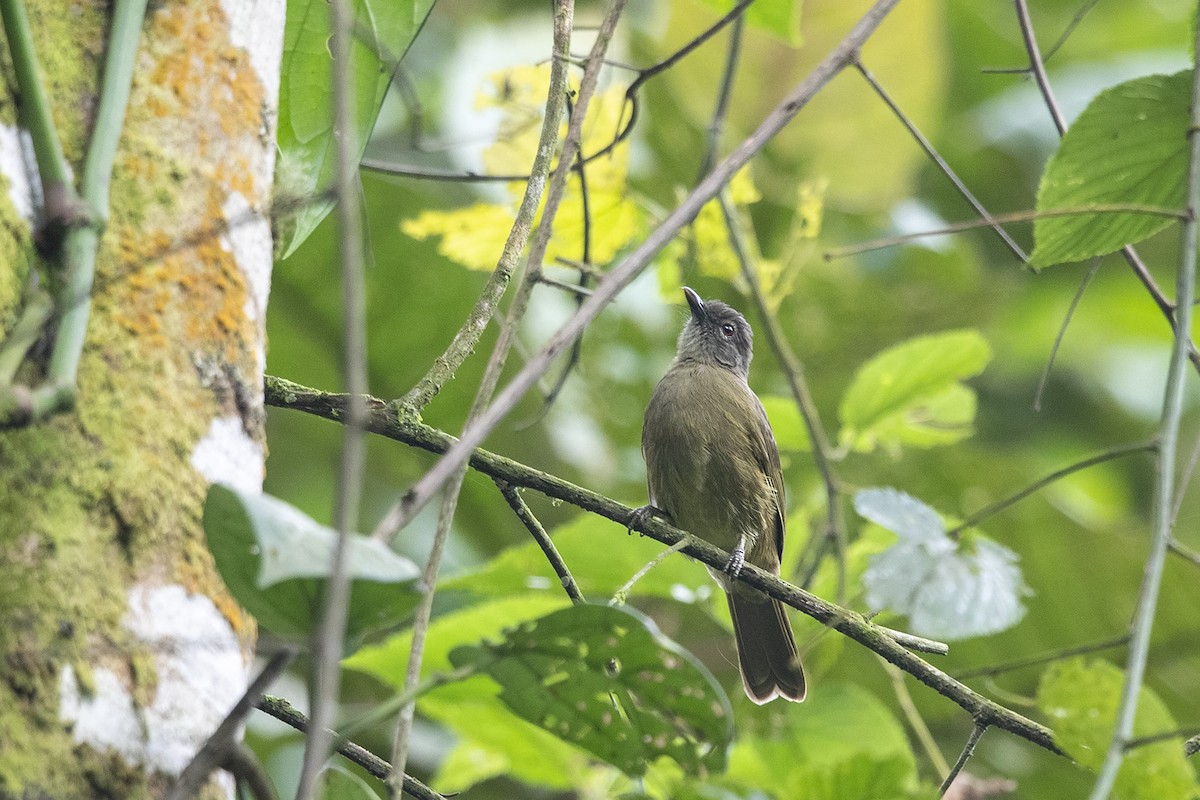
(767, 654)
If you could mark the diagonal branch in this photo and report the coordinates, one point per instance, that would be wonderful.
(383, 420)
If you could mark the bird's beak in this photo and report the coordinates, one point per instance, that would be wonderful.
(694, 301)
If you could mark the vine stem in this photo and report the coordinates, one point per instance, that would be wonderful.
(1164, 486)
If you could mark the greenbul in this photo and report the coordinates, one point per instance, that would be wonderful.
(713, 469)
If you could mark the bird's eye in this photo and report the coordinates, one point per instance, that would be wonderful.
(727, 329)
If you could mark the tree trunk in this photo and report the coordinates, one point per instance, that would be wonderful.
(120, 649)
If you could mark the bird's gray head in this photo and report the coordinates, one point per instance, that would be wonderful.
(715, 334)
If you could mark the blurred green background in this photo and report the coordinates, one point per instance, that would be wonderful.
(953, 67)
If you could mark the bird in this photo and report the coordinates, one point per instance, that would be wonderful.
(713, 469)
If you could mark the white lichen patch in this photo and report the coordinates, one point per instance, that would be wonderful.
(199, 672)
(248, 237)
(226, 454)
(256, 26)
(16, 157)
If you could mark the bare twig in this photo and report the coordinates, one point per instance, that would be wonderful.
(213, 752)
(383, 420)
(967, 751)
(1185, 732)
(243, 765)
(1099, 458)
(1164, 486)
(999, 219)
(283, 711)
(915, 720)
(941, 163)
(1062, 332)
(1043, 658)
(621, 595)
(329, 634)
(517, 503)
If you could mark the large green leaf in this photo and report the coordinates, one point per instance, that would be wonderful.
(843, 745)
(1081, 696)
(274, 559)
(1129, 146)
(382, 33)
(605, 679)
(910, 394)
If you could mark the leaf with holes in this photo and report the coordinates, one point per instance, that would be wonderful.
(1080, 696)
(606, 680)
(1128, 147)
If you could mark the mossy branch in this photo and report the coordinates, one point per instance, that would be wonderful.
(383, 419)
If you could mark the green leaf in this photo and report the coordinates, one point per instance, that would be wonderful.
(910, 394)
(274, 560)
(1129, 146)
(784, 416)
(606, 680)
(469, 709)
(845, 746)
(780, 18)
(523, 568)
(383, 31)
(337, 783)
(1080, 697)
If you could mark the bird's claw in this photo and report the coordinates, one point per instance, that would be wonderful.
(737, 558)
(643, 515)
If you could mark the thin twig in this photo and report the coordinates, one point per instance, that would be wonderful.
(1062, 332)
(1164, 485)
(915, 720)
(1099, 458)
(997, 219)
(918, 644)
(243, 765)
(283, 711)
(328, 636)
(620, 596)
(517, 503)
(1044, 658)
(967, 751)
(1185, 732)
(216, 748)
(510, 260)
(384, 421)
(1183, 551)
(941, 163)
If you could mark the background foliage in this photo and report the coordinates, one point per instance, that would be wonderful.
(844, 172)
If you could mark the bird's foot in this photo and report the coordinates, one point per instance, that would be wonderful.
(642, 515)
(737, 558)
